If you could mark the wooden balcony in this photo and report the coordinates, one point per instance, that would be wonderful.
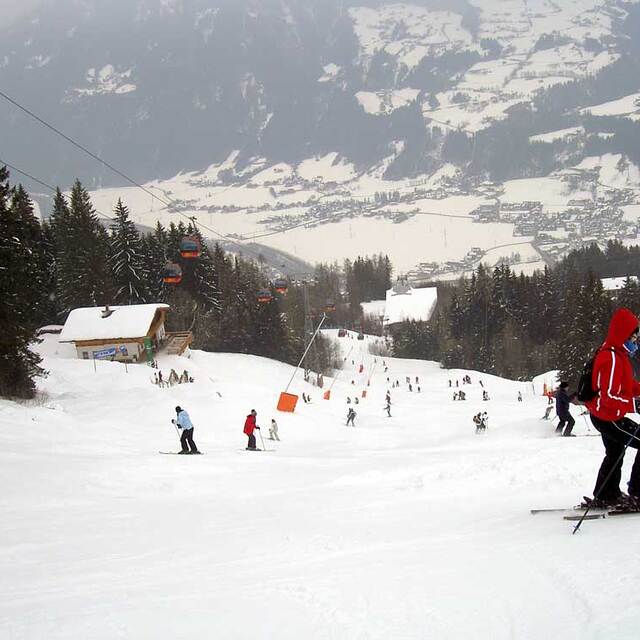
(177, 342)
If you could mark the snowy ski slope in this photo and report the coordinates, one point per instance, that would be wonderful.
(403, 527)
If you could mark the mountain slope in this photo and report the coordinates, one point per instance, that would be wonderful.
(178, 85)
(409, 526)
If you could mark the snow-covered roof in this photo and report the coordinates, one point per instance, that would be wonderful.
(132, 321)
(374, 307)
(415, 304)
(614, 284)
(49, 328)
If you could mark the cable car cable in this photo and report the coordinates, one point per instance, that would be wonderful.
(168, 202)
(44, 184)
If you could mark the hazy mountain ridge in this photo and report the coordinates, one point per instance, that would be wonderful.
(329, 129)
(160, 87)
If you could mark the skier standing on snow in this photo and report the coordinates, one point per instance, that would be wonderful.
(249, 427)
(562, 409)
(273, 431)
(182, 421)
(612, 379)
(351, 416)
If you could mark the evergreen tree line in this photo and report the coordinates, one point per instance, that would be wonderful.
(518, 326)
(72, 260)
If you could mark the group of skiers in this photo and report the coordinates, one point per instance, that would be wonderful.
(466, 379)
(481, 420)
(185, 427)
(173, 378)
(250, 426)
(611, 395)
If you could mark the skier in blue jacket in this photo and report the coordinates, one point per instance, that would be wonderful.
(183, 422)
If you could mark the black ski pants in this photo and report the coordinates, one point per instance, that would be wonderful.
(615, 435)
(252, 441)
(566, 424)
(186, 440)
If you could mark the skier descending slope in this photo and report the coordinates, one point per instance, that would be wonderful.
(183, 422)
(249, 427)
(613, 382)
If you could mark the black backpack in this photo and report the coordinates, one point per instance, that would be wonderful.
(585, 391)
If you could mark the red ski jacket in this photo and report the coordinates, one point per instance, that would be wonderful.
(612, 372)
(249, 424)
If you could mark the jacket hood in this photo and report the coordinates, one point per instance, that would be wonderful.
(622, 325)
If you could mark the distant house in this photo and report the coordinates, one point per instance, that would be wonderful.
(128, 333)
(614, 285)
(405, 303)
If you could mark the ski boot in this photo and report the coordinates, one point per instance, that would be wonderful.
(627, 504)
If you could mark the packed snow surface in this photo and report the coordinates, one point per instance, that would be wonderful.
(403, 527)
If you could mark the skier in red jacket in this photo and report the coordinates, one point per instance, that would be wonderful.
(613, 379)
(249, 426)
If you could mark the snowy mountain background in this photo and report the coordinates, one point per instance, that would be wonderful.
(356, 126)
(405, 527)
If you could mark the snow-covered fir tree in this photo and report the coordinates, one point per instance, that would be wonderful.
(21, 290)
(84, 276)
(125, 259)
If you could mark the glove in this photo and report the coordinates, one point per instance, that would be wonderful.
(173, 421)
(258, 428)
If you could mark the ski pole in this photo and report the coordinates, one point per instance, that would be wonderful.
(175, 426)
(261, 439)
(604, 483)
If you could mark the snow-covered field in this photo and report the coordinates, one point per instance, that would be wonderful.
(403, 527)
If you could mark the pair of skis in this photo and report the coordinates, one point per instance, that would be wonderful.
(575, 513)
(178, 453)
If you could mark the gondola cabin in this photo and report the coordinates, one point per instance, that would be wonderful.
(190, 247)
(264, 296)
(281, 286)
(172, 273)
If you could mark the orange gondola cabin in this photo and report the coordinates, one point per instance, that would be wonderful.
(190, 247)
(281, 286)
(264, 296)
(172, 273)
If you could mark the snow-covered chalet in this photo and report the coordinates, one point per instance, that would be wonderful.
(129, 333)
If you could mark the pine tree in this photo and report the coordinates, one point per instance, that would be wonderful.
(20, 290)
(60, 228)
(153, 248)
(84, 276)
(37, 268)
(125, 259)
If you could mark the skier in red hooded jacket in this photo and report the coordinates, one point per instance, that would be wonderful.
(249, 426)
(616, 388)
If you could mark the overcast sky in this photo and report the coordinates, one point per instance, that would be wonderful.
(10, 9)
